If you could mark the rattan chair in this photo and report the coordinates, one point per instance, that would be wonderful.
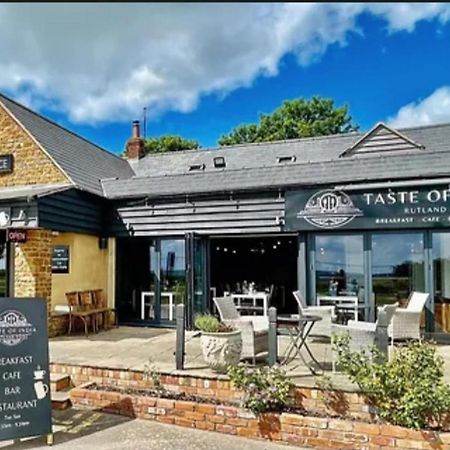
(364, 335)
(406, 321)
(254, 329)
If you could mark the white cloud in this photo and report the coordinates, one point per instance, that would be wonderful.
(433, 109)
(104, 62)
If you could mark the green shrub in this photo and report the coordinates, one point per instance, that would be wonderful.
(266, 388)
(408, 390)
(207, 323)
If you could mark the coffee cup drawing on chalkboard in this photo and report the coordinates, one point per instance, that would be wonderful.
(40, 387)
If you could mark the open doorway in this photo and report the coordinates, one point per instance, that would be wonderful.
(267, 263)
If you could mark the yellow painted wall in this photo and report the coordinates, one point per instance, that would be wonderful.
(88, 267)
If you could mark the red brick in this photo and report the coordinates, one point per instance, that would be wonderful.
(344, 425)
(248, 432)
(236, 422)
(331, 434)
(165, 419)
(205, 409)
(185, 406)
(315, 422)
(318, 443)
(194, 416)
(367, 428)
(393, 431)
(215, 419)
(180, 421)
(164, 403)
(201, 425)
(228, 429)
(227, 411)
(382, 440)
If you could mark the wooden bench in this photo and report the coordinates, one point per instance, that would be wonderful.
(88, 306)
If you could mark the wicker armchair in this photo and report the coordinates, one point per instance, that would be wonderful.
(327, 313)
(364, 335)
(406, 321)
(254, 329)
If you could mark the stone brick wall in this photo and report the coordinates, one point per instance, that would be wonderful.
(31, 164)
(32, 266)
(294, 429)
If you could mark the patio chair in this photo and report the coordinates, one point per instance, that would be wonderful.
(321, 328)
(406, 321)
(254, 329)
(364, 335)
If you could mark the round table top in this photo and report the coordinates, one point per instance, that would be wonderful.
(294, 319)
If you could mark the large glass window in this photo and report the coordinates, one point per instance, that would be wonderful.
(339, 264)
(397, 266)
(441, 272)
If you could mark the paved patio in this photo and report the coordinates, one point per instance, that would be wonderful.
(135, 347)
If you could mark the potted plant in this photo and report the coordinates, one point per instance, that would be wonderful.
(221, 344)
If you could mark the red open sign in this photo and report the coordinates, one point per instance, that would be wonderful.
(16, 235)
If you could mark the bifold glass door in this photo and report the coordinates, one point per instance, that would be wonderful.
(441, 282)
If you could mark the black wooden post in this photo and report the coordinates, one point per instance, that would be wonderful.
(179, 350)
(273, 342)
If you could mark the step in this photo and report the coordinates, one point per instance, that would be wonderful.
(61, 400)
(59, 381)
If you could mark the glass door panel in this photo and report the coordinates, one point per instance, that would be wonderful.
(152, 297)
(199, 255)
(441, 272)
(398, 266)
(173, 277)
(339, 264)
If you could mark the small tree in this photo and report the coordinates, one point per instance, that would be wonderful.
(409, 390)
(297, 118)
(169, 143)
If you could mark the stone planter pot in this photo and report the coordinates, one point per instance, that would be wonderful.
(221, 350)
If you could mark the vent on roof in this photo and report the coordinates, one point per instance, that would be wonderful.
(286, 159)
(194, 167)
(219, 162)
(382, 139)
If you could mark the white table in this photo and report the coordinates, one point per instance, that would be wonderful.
(150, 294)
(347, 302)
(255, 296)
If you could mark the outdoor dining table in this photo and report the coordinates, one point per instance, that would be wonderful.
(298, 328)
(254, 297)
(346, 303)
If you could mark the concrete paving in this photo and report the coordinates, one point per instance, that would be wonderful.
(135, 348)
(89, 430)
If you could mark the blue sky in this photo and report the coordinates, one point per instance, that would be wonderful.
(387, 63)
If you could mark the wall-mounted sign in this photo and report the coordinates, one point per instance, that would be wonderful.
(60, 259)
(5, 216)
(6, 163)
(18, 235)
(330, 209)
(25, 404)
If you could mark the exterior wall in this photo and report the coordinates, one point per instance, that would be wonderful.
(88, 266)
(32, 266)
(31, 164)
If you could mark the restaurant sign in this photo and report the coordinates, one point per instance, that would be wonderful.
(331, 209)
(25, 404)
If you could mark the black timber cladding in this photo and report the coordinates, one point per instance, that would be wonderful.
(258, 214)
(73, 210)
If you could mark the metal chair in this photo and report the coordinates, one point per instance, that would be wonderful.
(327, 313)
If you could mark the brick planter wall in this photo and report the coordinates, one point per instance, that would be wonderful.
(349, 404)
(311, 432)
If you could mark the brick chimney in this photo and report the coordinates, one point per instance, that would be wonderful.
(135, 145)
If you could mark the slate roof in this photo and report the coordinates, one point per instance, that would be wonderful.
(255, 167)
(32, 191)
(83, 162)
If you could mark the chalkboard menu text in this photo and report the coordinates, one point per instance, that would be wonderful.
(60, 259)
(25, 403)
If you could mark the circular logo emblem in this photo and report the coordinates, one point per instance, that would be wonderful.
(329, 209)
(14, 328)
